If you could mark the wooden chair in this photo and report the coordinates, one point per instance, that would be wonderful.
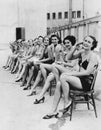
(87, 97)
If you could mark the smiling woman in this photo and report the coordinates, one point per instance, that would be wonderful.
(81, 79)
(88, 43)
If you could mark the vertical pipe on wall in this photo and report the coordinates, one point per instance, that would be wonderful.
(84, 30)
(63, 34)
(87, 29)
(70, 11)
(60, 33)
(83, 11)
(70, 15)
(18, 13)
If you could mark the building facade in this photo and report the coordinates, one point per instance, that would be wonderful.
(29, 16)
(58, 12)
(75, 17)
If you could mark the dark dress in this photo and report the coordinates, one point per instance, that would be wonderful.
(45, 56)
(86, 80)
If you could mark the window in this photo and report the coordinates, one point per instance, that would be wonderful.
(54, 15)
(65, 15)
(74, 14)
(60, 15)
(48, 16)
(78, 14)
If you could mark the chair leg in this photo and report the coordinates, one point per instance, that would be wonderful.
(87, 99)
(50, 91)
(94, 105)
(88, 106)
(71, 110)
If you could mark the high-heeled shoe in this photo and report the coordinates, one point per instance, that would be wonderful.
(39, 101)
(23, 84)
(66, 108)
(51, 116)
(27, 88)
(18, 80)
(4, 67)
(32, 93)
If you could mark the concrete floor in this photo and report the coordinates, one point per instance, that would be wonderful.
(17, 111)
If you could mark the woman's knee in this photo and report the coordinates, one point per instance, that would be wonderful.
(43, 70)
(50, 77)
(58, 84)
(32, 68)
(41, 65)
(62, 77)
(26, 65)
(39, 72)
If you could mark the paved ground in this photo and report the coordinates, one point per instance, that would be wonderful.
(17, 111)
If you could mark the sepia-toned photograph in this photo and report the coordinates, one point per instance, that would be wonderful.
(50, 64)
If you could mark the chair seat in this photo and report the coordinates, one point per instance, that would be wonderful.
(81, 92)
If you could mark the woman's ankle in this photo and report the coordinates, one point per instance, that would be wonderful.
(67, 103)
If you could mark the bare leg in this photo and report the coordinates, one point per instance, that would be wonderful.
(43, 68)
(9, 63)
(19, 69)
(13, 63)
(55, 72)
(59, 68)
(36, 81)
(24, 76)
(56, 100)
(15, 67)
(29, 78)
(46, 85)
(6, 65)
(65, 81)
(22, 72)
(33, 91)
(57, 97)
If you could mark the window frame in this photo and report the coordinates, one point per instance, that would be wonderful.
(48, 16)
(66, 15)
(53, 15)
(74, 14)
(59, 15)
(78, 14)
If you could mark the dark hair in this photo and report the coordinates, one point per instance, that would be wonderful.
(48, 38)
(54, 35)
(71, 38)
(41, 37)
(94, 43)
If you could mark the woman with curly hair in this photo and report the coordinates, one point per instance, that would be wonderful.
(81, 79)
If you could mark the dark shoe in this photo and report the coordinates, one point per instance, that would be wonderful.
(51, 116)
(4, 67)
(39, 101)
(23, 84)
(8, 69)
(12, 72)
(18, 80)
(27, 88)
(32, 93)
(66, 108)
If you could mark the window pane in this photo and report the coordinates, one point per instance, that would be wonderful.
(78, 14)
(54, 15)
(60, 15)
(65, 15)
(74, 14)
(48, 16)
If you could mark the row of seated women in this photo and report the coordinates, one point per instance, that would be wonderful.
(70, 64)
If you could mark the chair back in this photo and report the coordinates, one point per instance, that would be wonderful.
(95, 75)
